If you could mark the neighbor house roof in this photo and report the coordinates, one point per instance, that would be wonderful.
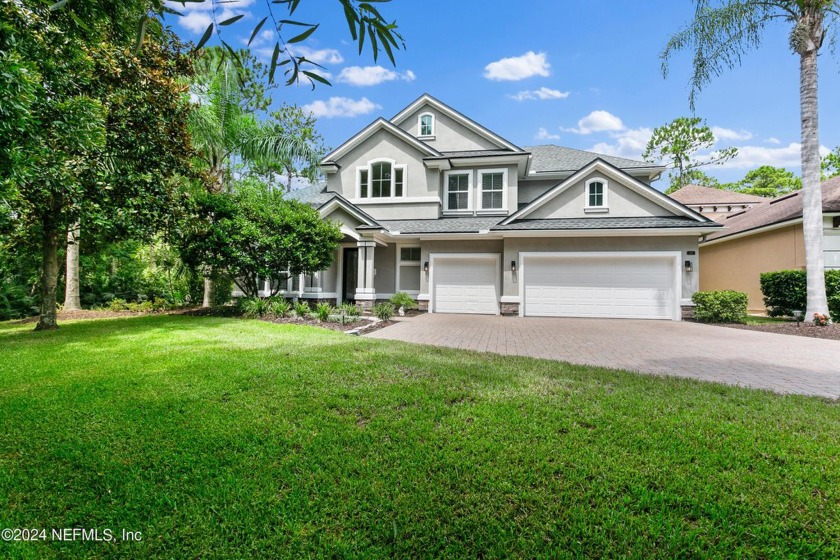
(696, 194)
(314, 195)
(778, 210)
(555, 159)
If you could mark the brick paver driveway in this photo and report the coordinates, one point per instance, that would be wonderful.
(782, 363)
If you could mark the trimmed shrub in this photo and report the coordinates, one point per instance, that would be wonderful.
(323, 311)
(383, 311)
(302, 309)
(402, 299)
(786, 290)
(725, 306)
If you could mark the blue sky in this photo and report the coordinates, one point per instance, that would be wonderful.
(579, 74)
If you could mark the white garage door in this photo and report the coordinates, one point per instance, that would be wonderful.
(637, 287)
(465, 284)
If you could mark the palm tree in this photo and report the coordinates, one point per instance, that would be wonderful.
(718, 36)
(224, 126)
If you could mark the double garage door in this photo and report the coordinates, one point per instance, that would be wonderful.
(569, 285)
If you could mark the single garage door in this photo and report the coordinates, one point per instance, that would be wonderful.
(465, 284)
(632, 287)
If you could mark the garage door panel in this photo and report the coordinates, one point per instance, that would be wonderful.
(622, 287)
(466, 285)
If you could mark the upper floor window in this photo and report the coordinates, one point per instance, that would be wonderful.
(458, 186)
(596, 194)
(381, 179)
(427, 124)
(493, 183)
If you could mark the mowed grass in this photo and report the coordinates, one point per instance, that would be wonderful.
(226, 438)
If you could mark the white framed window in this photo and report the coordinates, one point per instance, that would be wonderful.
(426, 124)
(596, 194)
(457, 191)
(381, 179)
(493, 185)
(408, 269)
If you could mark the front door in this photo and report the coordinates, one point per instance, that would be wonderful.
(351, 274)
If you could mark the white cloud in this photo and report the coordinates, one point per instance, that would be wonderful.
(729, 134)
(198, 15)
(540, 94)
(518, 67)
(750, 157)
(372, 75)
(773, 140)
(340, 107)
(544, 134)
(318, 56)
(629, 143)
(597, 121)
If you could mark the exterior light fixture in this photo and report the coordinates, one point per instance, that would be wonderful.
(688, 266)
(513, 266)
(426, 266)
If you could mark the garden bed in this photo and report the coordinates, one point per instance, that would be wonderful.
(831, 332)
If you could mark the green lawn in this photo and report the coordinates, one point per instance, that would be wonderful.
(226, 438)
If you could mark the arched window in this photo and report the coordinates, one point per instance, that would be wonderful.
(596, 194)
(427, 124)
(381, 179)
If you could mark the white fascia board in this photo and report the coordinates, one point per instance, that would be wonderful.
(616, 174)
(465, 121)
(370, 130)
(330, 207)
(519, 160)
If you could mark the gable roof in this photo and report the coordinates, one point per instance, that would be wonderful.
(696, 194)
(370, 130)
(778, 210)
(465, 121)
(325, 201)
(549, 158)
(618, 174)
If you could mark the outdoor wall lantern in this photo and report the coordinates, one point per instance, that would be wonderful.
(513, 266)
(426, 266)
(688, 267)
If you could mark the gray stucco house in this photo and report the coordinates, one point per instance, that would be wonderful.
(433, 204)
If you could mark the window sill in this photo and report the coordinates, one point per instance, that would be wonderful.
(493, 212)
(596, 210)
(430, 137)
(457, 212)
(396, 200)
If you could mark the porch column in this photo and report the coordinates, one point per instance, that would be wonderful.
(365, 292)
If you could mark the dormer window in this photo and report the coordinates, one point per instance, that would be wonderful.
(381, 179)
(426, 125)
(596, 195)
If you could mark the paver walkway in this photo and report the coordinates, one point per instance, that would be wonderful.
(781, 363)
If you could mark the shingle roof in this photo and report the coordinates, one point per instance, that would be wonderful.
(314, 195)
(467, 224)
(696, 194)
(550, 158)
(778, 210)
(604, 223)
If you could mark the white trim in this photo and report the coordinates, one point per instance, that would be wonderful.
(619, 176)
(605, 185)
(368, 168)
(480, 187)
(496, 257)
(427, 99)
(397, 200)
(675, 256)
(368, 131)
(336, 202)
(430, 135)
(468, 209)
(399, 263)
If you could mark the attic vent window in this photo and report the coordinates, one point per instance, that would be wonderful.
(427, 125)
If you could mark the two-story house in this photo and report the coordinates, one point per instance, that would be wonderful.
(433, 204)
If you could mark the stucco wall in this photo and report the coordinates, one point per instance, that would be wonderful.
(737, 264)
(621, 202)
(450, 136)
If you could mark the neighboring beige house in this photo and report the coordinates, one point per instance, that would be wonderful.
(716, 204)
(433, 204)
(765, 238)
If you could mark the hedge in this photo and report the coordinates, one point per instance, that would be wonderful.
(724, 306)
(785, 291)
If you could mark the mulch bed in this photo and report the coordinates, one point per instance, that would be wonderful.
(831, 332)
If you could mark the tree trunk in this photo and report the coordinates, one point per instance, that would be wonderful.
(49, 277)
(289, 176)
(812, 219)
(208, 289)
(72, 299)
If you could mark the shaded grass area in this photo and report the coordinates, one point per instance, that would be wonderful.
(228, 438)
